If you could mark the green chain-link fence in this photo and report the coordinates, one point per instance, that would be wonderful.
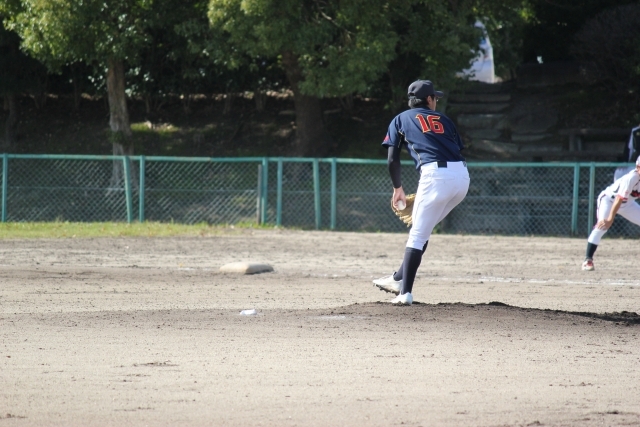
(342, 194)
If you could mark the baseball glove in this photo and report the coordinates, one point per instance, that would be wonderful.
(405, 214)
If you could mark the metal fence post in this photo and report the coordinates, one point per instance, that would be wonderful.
(334, 198)
(141, 190)
(5, 185)
(592, 195)
(264, 190)
(279, 195)
(259, 196)
(316, 191)
(576, 193)
(127, 188)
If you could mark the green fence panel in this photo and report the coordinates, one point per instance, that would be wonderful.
(63, 188)
(338, 194)
(364, 192)
(216, 192)
(513, 199)
(290, 184)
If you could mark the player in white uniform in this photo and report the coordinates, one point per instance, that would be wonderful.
(618, 198)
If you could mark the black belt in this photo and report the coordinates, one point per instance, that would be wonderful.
(443, 163)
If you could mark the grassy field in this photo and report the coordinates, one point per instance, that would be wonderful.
(25, 230)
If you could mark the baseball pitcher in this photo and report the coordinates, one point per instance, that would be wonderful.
(433, 142)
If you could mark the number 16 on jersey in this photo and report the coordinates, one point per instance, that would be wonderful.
(430, 123)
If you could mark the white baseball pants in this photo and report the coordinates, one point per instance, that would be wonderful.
(440, 190)
(629, 210)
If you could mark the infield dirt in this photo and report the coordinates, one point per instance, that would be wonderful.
(507, 331)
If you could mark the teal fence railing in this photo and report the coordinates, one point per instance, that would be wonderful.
(337, 194)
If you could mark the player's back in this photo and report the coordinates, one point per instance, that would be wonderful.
(626, 186)
(430, 134)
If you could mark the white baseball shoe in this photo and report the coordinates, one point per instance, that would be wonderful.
(404, 299)
(388, 284)
(587, 265)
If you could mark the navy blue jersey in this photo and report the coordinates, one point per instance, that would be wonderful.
(429, 136)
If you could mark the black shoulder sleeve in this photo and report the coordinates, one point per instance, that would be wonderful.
(393, 162)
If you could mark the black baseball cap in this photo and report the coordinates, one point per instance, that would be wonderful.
(423, 88)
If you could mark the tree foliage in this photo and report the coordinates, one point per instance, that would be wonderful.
(435, 39)
(549, 33)
(506, 22)
(104, 34)
(65, 31)
(18, 72)
(611, 41)
(325, 48)
(340, 46)
(158, 49)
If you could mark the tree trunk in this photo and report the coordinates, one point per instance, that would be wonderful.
(39, 93)
(347, 103)
(77, 94)
(312, 139)
(118, 113)
(228, 102)
(186, 103)
(119, 121)
(260, 99)
(11, 128)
